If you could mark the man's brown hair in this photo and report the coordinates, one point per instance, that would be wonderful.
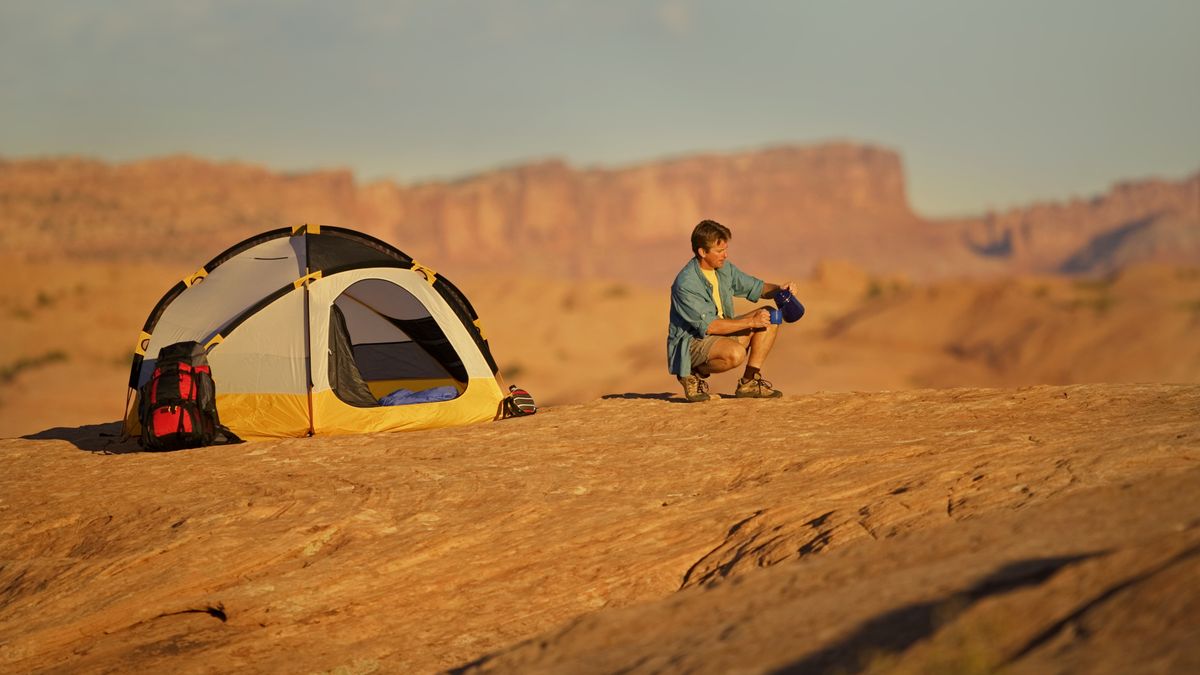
(707, 233)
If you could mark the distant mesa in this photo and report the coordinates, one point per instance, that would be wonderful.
(1170, 238)
(791, 205)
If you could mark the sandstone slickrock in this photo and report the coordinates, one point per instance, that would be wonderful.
(1047, 528)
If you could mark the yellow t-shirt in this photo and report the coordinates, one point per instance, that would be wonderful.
(711, 275)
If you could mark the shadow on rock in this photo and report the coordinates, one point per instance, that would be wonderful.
(104, 438)
(635, 395)
(899, 629)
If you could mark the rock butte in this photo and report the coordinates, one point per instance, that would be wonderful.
(836, 200)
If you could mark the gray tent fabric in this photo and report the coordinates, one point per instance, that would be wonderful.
(344, 376)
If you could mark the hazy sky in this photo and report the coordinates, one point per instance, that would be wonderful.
(991, 104)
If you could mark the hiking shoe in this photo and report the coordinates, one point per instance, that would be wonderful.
(756, 387)
(695, 389)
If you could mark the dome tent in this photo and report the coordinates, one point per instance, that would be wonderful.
(306, 328)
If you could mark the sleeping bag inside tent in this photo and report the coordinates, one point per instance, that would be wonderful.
(308, 329)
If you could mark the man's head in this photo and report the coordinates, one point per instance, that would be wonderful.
(710, 240)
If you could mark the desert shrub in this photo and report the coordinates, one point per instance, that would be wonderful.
(616, 291)
(10, 371)
(878, 288)
(1092, 285)
(1099, 304)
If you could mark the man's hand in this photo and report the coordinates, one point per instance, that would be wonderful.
(769, 289)
(759, 319)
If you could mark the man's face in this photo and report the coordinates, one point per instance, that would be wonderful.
(713, 258)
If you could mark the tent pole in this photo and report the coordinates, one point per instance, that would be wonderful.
(308, 338)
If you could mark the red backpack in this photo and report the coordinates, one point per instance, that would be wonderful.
(178, 405)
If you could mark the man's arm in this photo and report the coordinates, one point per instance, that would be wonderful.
(769, 288)
(758, 319)
(753, 288)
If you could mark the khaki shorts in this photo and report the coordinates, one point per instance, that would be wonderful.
(699, 349)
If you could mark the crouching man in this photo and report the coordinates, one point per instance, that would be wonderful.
(704, 337)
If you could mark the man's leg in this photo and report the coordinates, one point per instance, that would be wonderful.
(729, 354)
(761, 342)
(758, 343)
(695, 387)
(749, 347)
(726, 353)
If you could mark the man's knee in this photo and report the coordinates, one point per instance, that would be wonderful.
(738, 355)
(726, 355)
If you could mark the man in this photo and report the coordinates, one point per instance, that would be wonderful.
(704, 338)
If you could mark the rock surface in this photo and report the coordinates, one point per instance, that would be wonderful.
(1048, 529)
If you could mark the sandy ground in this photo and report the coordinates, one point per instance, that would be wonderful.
(1045, 529)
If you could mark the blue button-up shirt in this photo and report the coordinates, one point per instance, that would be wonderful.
(693, 308)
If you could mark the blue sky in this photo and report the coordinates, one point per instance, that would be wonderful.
(991, 104)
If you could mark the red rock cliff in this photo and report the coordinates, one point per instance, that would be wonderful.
(788, 207)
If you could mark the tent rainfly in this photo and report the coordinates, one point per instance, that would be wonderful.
(308, 328)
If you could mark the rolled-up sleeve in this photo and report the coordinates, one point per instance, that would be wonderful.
(744, 285)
